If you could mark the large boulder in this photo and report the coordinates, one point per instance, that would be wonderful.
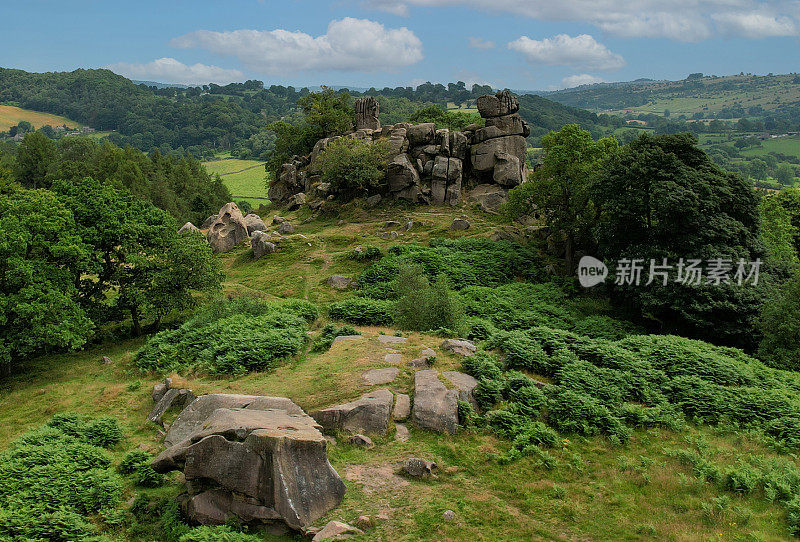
(260, 241)
(367, 112)
(508, 170)
(369, 414)
(446, 182)
(490, 197)
(435, 407)
(228, 230)
(484, 155)
(401, 173)
(255, 466)
(421, 134)
(497, 105)
(254, 223)
(208, 221)
(195, 415)
(288, 183)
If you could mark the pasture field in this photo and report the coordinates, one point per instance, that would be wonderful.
(11, 116)
(244, 178)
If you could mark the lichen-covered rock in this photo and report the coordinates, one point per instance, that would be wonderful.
(285, 228)
(490, 197)
(401, 173)
(417, 467)
(228, 230)
(368, 414)
(459, 346)
(465, 384)
(435, 407)
(367, 112)
(260, 241)
(502, 103)
(460, 224)
(296, 201)
(254, 223)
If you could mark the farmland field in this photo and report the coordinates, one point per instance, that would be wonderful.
(11, 116)
(244, 178)
(783, 145)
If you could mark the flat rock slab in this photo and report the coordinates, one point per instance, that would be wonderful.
(465, 385)
(435, 407)
(369, 414)
(459, 346)
(393, 358)
(341, 338)
(402, 407)
(391, 339)
(377, 377)
(195, 415)
(427, 352)
(336, 530)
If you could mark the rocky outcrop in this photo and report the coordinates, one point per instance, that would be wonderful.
(228, 230)
(255, 466)
(369, 414)
(435, 407)
(425, 165)
(465, 384)
(172, 398)
(490, 197)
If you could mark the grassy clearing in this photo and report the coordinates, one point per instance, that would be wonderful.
(11, 116)
(789, 146)
(244, 178)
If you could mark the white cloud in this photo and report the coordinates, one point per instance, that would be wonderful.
(563, 50)
(356, 45)
(681, 20)
(169, 70)
(581, 79)
(755, 25)
(480, 43)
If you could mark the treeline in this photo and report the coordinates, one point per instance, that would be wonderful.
(178, 185)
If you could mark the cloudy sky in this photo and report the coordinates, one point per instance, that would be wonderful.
(520, 44)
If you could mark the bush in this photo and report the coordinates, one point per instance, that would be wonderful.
(231, 338)
(362, 311)
(604, 327)
(422, 306)
(368, 252)
(780, 325)
(328, 333)
(354, 168)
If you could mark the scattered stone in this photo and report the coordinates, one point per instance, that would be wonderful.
(341, 338)
(401, 433)
(278, 220)
(171, 398)
(260, 241)
(105, 360)
(392, 224)
(340, 282)
(208, 221)
(255, 465)
(254, 223)
(161, 388)
(448, 515)
(419, 468)
(402, 407)
(285, 228)
(361, 440)
(460, 224)
(369, 414)
(365, 523)
(377, 377)
(388, 235)
(296, 201)
(458, 346)
(465, 384)
(428, 352)
(435, 407)
(228, 230)
(391, 339)
(393, 358)
(420, 363)
(336, 530)
(187, 228)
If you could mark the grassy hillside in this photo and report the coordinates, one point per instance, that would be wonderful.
(244, 178)
(586, 488)
(11, 116)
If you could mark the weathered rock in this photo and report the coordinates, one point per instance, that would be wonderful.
(187, 228)
(459, 145)
(194, 416)
(401, 433)
(465, 384)
(490, 197)
(369, 414)
(421, 134)
(393, 358)
(260, 241)
(361, 440)
(435, 407)
(276, 220)
(364, 523)
(373, 200)
(296, 201)
(228, 230)
(507, 124)
(254, 223)
(508, 170)
(159, 390)
(285, 228)
(391, 339)
(256, 465)
(340, 282)
(392, 225)
(286, 185)
(447, 174)
(420, 363)
(418, 468)
(502, 103)
(401, 173)
(448, 515)
(484, 155)
(428, 352)
(378, 377)
(458, 346)
(388, 235)
(460, 224)
(172, 398)
(367, 112)
(402, 407)
(208, 221)
(336, 530)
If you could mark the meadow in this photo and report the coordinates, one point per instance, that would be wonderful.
(244, 178)
(11, 116)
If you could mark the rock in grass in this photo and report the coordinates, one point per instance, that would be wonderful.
(368, 414)
(285, 228)
(228, 230)
(458, 346)
(254, 223)
(340, 282)
(260, 241)
(418, 468)
(336, 530)
(402, 407)
(435, 407)
(401, 433)
(361, 440)
(377, 377)
(460, 224)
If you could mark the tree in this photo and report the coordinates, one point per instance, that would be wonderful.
(330, 112)
(758, 169)
(780, 325)
(353, 167)
(35, 157)
(662, 197)
(785, 175)
(778, 233)
(561, 189)
(40, 257)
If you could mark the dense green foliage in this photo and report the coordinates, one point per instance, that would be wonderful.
(232, 337)
(362, 311)
(423, 305)
(54, 478)
(354, 168)
(780, 326)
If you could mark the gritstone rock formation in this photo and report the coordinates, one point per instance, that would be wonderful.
(228, 229)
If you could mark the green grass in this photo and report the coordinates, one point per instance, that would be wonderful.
(244, 178)
(789, 146)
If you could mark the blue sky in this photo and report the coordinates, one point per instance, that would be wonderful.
(520, 44)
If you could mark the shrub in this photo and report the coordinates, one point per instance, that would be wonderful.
(368, 252)
(362, 311)
(599, 326)
(131, 460)
(482, 365)
(422, 306)
(574, 412)
(354, 168)
(328, 333)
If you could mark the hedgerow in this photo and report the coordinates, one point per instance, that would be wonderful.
(231, 338)
(54, 477)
